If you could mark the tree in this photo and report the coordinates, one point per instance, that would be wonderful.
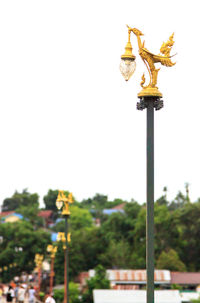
(117, 255)
(79, 218)
(179, 201)
(31, 213)
(165, 221)
(22, 235)
(20, 199)
(171, 261)
(98, 201)
(73, 294)
(50, 200)
(99, 281)
(188, 222)
(139, 239)
(115, 228)
(131, 210)
(85, 248)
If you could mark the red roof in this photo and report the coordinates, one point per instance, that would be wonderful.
(45, 213)
(6, 213)
(120, 206)
(185, 277)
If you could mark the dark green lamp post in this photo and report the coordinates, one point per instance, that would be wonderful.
(149, 98)
(63, 202)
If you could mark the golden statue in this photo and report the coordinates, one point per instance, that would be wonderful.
(149, 60)
(62, 199)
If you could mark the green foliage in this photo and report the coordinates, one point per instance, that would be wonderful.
(50, 200)
(59, 264)
(117, 255)
(20, 199)
(180, 201)
(176, 286)
(119, 242)
(98, 202)
(171, 261)
(30, 213)
(58, 295)
(73, 294)
(99, 281)
(164, 221)
(79, 218)
(188, 222)
(20, 234)
(85, 249)
(42, 296)
(195, 300)
(115, 226)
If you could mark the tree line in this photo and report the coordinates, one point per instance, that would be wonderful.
(119, 241)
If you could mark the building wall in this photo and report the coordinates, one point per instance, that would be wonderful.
(12, 219)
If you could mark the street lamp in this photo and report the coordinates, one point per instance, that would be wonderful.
(150, 98)
(38, 262)
(52, 250)
(63, 202)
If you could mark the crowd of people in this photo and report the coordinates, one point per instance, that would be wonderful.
(19, 293)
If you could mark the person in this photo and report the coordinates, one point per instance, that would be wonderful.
(1, 293)
(50, 299)
(21, 294)
(10, 294)
(16, 293)
(31, 295)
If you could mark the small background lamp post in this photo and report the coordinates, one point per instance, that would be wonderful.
(38, 262)
(150, 98)
(52, 250)
(63, 202)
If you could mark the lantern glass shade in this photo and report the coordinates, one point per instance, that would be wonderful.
(58, 237)
(59, 204)
(127, 68)
(49, 248)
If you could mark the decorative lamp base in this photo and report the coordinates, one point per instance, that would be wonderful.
(150, 92)
(144, 102)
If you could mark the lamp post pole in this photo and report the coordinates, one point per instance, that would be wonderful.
(150, 203)
(51, 249)
(66, 261)
(63, 201)
(150, 103)
(51, 276)
(38, 261)
(150, 98)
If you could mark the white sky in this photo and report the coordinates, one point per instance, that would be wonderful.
(68, 119)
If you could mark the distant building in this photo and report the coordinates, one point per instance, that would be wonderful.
(47, 216)
(117, 209)
(134, 296)
(189, 280)
(133, 279)
(10, 216)
(136, 279)
(5, 213)
(54, 237)
(128, 279)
